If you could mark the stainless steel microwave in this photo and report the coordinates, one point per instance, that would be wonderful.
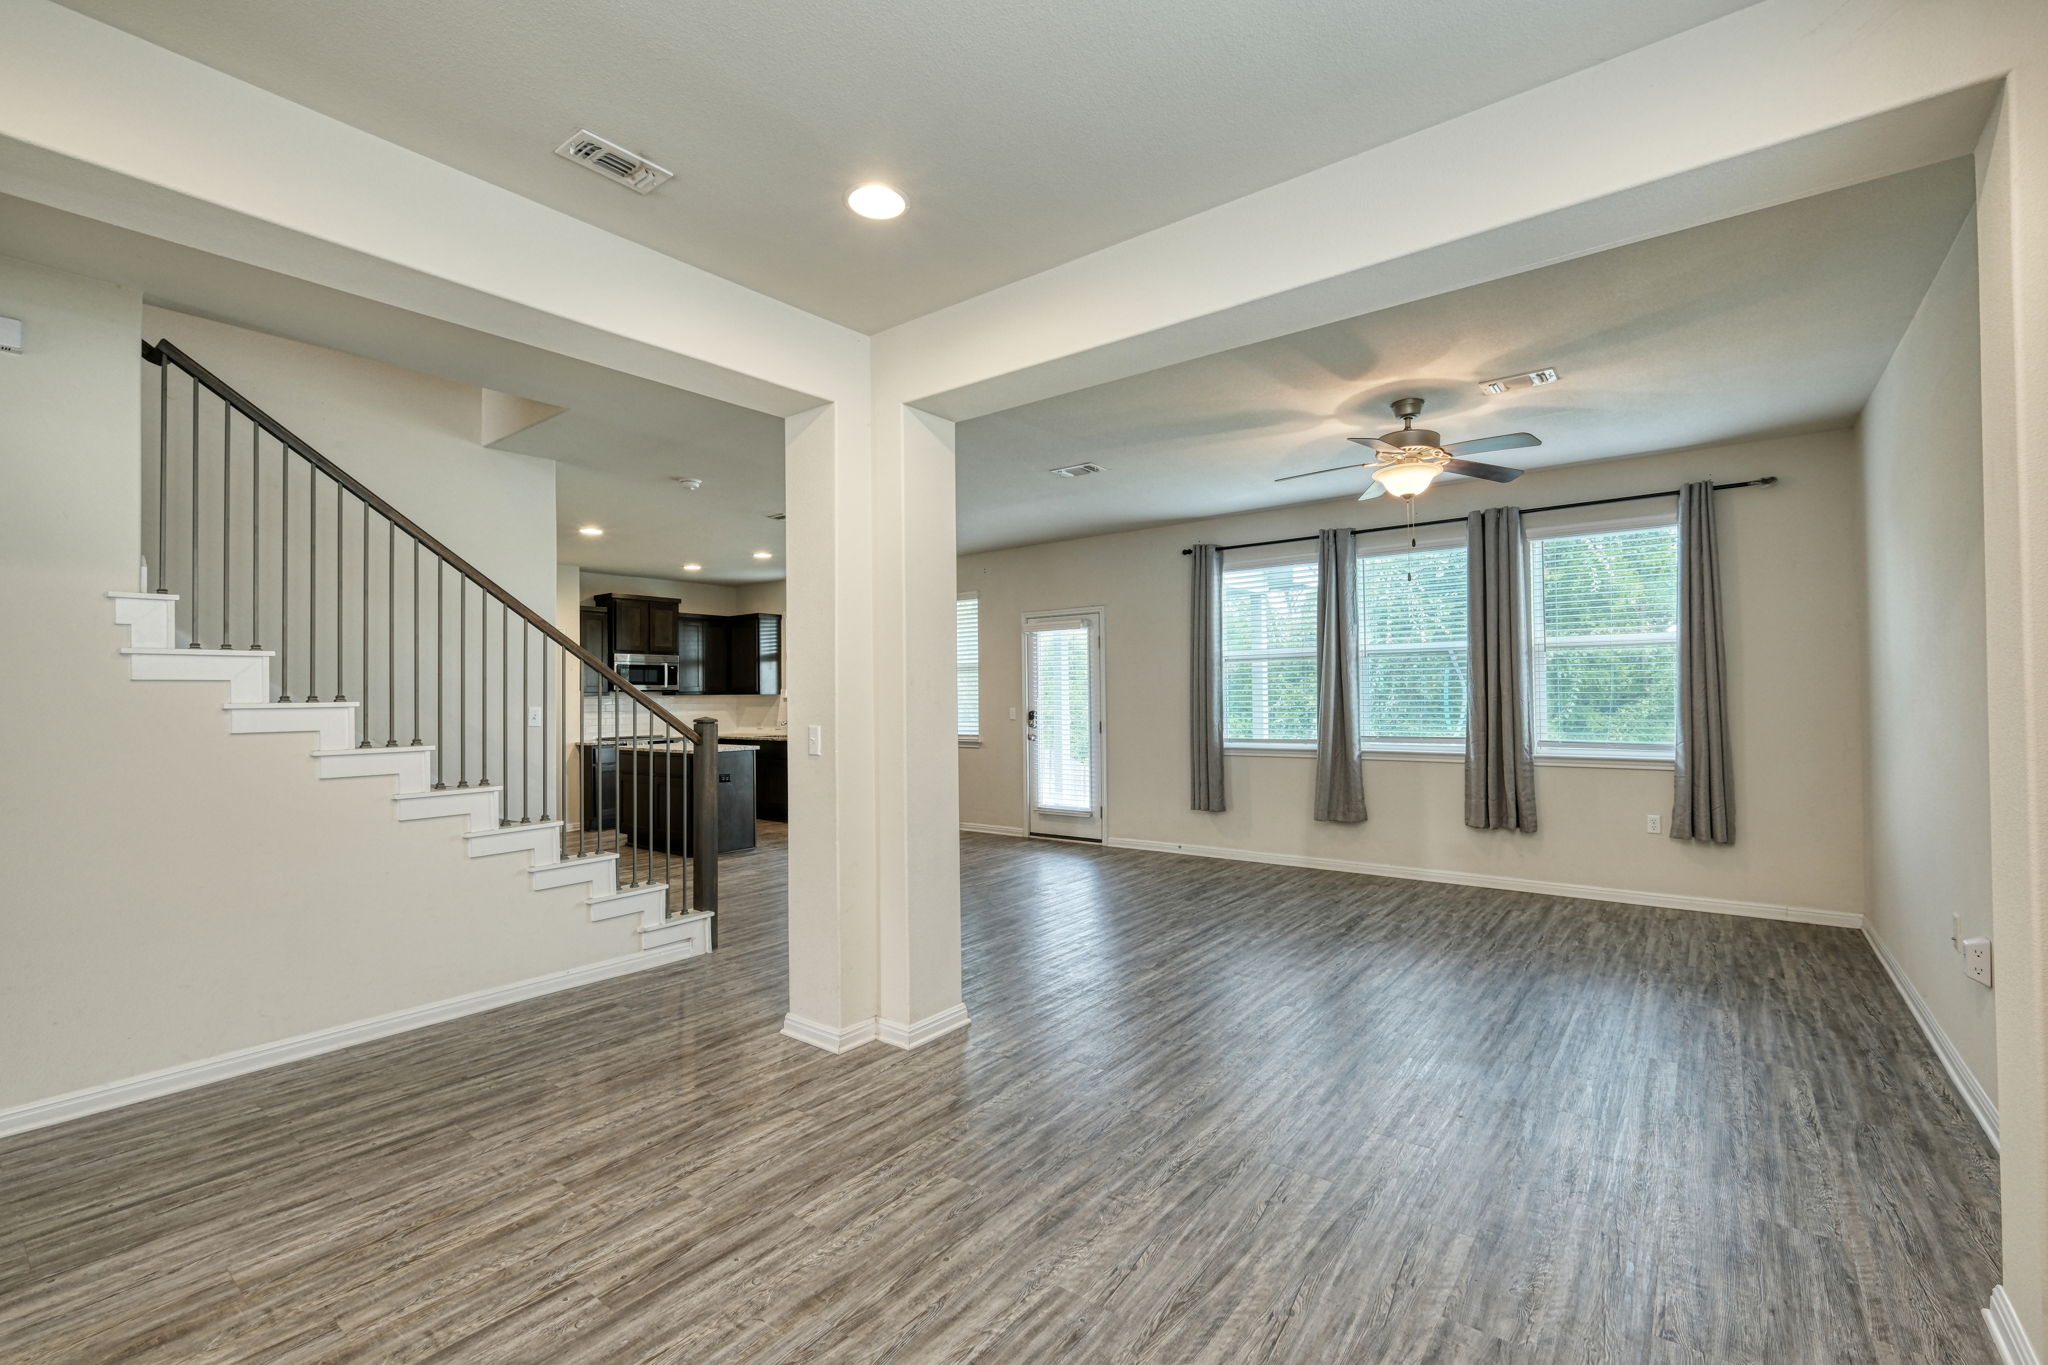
(648, 672)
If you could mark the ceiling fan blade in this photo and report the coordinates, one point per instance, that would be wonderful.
(1376, 443)
(1313, 472)
(1372, 490)
(1514, 440)
(1472, 469)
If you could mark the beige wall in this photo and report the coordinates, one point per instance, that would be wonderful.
(1929, 799)
(175, 892)
(1793, 563)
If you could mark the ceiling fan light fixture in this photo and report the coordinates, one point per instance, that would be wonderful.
(1407, 478)
(1533, 379)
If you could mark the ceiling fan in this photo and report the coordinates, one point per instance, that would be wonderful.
(1409, 460)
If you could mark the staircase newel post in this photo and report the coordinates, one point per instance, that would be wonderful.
(704, 822)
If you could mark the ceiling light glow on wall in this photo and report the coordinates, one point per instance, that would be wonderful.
(764, 554)
(590, 530)
(692, 568)
(875, 201)
(1406, 478)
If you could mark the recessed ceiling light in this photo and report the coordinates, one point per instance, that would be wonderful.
(875, 201)
(692, 568)
(1534, 379)
(590, 530)
(764, 554)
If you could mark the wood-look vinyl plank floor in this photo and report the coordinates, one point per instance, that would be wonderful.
(1206, 1112)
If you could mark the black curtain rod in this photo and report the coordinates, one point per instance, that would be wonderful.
(1764, 482)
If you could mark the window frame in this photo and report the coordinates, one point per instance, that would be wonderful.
(1584, 753)
(1289, 555)
(1427, 539)
(967, 739)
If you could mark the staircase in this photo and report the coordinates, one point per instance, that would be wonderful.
(292, 580)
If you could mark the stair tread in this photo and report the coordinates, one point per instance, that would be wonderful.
(375, 748)
(187, 652)
(445, 791)
(515, 825)
(284, 705)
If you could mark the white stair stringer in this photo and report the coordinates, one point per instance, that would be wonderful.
(153, 656)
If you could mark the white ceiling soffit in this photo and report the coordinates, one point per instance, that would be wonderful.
(1772, 322)
(1023, 135)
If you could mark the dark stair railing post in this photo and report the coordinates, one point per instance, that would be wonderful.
(704, 822)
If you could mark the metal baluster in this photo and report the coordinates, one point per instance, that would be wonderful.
(668, 828)
(416, 618)
(526, 740)
(618, 805)
(440, 672)
(227, 515)
(390, 634)
(192, 607)
(284, 571)
(505, 711)
(312, 583)
(366, 630)
(256, 536)
(462, 681)
(163, 469)
(483, 689)
(582, 755)
(340, 584)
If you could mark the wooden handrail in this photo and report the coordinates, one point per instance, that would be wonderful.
(165, 351)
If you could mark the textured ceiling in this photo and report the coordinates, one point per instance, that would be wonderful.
(1024, 135)
(1773, 322)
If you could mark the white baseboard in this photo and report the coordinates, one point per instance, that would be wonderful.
(827, 1037)
(1839, 919)
(1010, 830)
(1980, 1103)
(890, 1031)
(2006, 1333)
(932, 1026)
(190, 1075)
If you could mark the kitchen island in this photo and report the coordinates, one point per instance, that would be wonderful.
(642, 789)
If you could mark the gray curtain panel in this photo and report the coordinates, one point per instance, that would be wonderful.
(1205, 682)
(1500, 775)
(1340, 786)
(1702, 805)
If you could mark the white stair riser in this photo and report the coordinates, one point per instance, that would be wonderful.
(478, 804)
(414, 768)
(649, 902)
(247, 675)
(333, 721)
(151, 618)
(600, 874)
(543, 841)
(694, 930)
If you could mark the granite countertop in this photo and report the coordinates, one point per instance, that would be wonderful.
(645, 740)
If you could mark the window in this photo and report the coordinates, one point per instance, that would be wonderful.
(1411, 648)
(967, 665)
(1603, 629)
(1269, 650)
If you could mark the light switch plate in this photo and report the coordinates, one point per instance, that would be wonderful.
(815, 734)
(10, 335)
(533, 717)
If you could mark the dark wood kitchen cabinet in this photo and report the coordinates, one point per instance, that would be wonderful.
(771, 778)
(753, 654)
(700, 655)
(595, 637)
(639, 625)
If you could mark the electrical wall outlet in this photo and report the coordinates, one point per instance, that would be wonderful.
(1977, 960)
(533, 717)
(1655, 823)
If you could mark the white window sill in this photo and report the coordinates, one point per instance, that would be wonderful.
(970, 741)
(1270, 750)
(1583, 760)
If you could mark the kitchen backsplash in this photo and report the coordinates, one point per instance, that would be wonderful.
(735, 715)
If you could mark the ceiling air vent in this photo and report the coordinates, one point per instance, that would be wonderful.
(613, 162)
(1076, 471)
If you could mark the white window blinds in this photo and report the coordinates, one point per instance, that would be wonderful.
(1411, 648)
(1269, 653)
(1603, 627)
(967, 665)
